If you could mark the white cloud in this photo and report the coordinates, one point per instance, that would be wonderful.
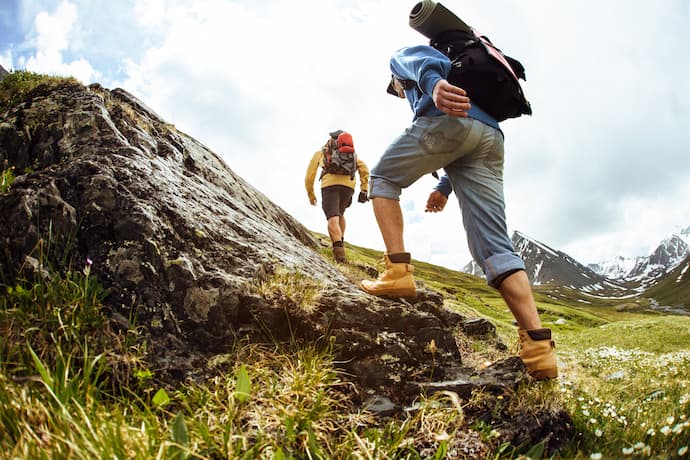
(54, 28)
(6, 60)
(149, 12)
(52, 40)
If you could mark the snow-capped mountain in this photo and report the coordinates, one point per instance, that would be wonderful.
(665, 258)
(617, 277)
(685, 235)
(546, 265)
(619, 267)
(473, 269)
(647, 270)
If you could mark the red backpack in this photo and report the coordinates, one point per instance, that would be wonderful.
(339, 155)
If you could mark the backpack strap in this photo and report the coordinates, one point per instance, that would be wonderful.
(452, 42)
(496, 54)
(326, 151)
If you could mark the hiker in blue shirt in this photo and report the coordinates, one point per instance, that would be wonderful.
(449, 132)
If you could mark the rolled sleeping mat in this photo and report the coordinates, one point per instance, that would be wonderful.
(431, 19)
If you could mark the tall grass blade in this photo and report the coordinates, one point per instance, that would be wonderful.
(180, 437)
(243, 386)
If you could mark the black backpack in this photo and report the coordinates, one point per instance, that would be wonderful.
(339, 155)
(489, 77)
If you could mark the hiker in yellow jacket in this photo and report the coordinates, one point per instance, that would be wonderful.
(338, 163)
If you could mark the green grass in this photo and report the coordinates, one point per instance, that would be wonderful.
(72, 388)
(627, 386)
(18, 84)
(6, 177)
(66, 390)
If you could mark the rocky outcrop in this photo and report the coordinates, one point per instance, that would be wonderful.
(188, 248)
(3, 72)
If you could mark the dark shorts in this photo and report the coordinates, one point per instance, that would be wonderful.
(335, 199)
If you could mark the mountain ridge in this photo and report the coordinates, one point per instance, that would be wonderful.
(668, 253)
(619, 277)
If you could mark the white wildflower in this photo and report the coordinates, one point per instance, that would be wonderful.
(443, 436)
(598, 433)
(639, 445)
(670, 420)
(627, 450)
(665, 430)
(682, 451)
(596, 456)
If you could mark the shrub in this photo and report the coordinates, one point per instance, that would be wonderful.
(16, 85)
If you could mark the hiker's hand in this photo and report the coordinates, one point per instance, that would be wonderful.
(312, 201)
(436, 202)
(450, 99)
(363, 198)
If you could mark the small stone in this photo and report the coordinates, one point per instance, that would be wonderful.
(380, 405)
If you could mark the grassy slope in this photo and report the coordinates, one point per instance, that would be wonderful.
(674, 290)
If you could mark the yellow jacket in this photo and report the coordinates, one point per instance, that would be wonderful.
(334, 179)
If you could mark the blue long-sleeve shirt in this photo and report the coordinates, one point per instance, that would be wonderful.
(444, 185)
(426, 66)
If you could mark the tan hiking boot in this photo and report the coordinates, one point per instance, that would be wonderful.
(339, 254)
(396, 281)
(537, 352)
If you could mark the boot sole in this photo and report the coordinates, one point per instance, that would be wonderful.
(390, 292)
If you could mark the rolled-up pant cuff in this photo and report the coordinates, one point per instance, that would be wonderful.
(499, 264)
(381, 188)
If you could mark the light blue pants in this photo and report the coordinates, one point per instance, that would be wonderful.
(471, 153)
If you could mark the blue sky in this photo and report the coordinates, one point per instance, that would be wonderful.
(601, 169)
